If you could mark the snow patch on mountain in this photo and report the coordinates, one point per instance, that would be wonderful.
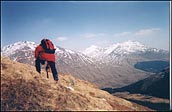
(70, 51)
(93, 51)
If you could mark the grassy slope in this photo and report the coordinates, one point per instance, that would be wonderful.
(22, 88)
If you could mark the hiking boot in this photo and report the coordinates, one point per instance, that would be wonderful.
(56, 82)
(56, 79)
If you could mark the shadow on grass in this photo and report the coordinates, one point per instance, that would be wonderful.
(154, 106)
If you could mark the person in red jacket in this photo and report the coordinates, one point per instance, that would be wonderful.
(41, 56)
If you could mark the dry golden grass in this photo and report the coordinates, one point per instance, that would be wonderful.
(22, 88)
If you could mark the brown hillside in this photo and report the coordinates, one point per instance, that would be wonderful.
(22, 88)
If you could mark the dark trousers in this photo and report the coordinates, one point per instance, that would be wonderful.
(38, 63)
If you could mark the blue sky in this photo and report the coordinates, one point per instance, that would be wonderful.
(78, 25)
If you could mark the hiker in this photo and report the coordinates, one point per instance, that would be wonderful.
(45, 52)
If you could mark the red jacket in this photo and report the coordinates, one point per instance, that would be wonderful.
(39, 52)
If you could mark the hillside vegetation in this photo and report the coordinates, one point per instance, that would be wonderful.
(22, 88)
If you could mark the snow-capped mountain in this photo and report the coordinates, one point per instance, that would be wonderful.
(117, 52)
(112, 66)
(67, 61)
(20, 51)
(18, 46)
(27, 48)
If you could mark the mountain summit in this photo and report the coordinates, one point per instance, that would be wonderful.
(93, 51)
(22, 88)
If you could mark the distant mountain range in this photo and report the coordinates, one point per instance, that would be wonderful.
(113, 66)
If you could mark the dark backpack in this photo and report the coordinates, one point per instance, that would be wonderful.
(48, 46)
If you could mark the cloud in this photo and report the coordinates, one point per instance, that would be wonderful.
(61, 38)
(139, 33)
(93, 35)
(122, 34)
(146, 32)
